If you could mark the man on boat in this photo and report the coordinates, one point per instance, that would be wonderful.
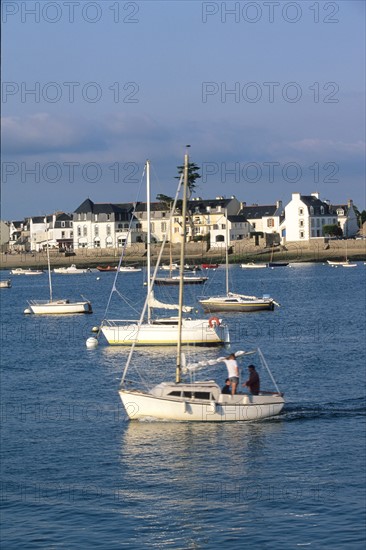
(227, 388)
(233, 371)
(253, 382)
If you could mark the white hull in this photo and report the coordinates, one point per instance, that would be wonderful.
(241, 305)
(5, 284)
(59, 307)
(72, 270)
(226, 408)
(253, 266)
(130, 269)
(20, 271)
(165, 333)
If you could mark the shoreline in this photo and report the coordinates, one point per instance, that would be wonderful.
(354, 250)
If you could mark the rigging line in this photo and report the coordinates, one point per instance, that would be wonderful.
(124, 246)
(152, 285)
(264, 362)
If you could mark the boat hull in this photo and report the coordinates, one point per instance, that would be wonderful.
(253, 266)
(139, 405)
(240, 307)
(175, 280)
(5, 284)
(196, 332)
(59, 307)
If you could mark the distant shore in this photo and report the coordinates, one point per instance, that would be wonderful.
(242, 251)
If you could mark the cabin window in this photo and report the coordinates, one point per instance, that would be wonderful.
(188, 394)
(174, 393)
(202, 395)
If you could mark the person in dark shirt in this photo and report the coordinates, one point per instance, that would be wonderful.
(227, 387)
(253, 382)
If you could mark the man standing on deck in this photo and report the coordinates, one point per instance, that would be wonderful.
(232, 371)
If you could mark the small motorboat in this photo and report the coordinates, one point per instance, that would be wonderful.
(210, 266)
(6, 283)
(71, 270)
(21, 271)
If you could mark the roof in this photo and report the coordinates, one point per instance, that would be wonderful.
(236, 219)
(257, 212)
(310, 200)
(89, 206)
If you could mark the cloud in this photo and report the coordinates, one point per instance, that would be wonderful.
(322, 146)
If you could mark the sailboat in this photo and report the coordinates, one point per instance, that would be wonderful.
(195, 401)
(161, 331)
(342, 263)
(56, 307)
(235, 302)
(271, 263)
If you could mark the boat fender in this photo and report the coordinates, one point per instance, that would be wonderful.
(214, 322)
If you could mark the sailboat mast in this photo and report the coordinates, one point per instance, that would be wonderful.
(181, 269)
(48, 261)
(148, 244)
(227, 252)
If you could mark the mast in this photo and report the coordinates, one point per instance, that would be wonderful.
(48, 261)
(227, 252)
(181, 269)
(148, 243)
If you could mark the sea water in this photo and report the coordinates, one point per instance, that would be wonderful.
(75, 473)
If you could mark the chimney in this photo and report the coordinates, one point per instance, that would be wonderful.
(316, 195)
(278, 204)
(350, 203)
(242, 204)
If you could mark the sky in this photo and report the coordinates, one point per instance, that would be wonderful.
(269, 95)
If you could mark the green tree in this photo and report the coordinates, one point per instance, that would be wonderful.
(193, 176)
(333, 230)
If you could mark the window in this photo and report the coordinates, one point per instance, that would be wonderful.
(163, 226)
(96, 230)
(311, 210)
(84, 216)
(163, 214)
(108, 217)
(62, 234)
(215, 226)
(108, 230)
(270, 222)
(223, 226)
(301, 223)
(79, 217)
(301, 211)
(253, 225)
(85, 231)
(301, 234)
(78, 231)
(152, 227)
(322, 209)
(95, 217)
(62, 224)
(176, 220)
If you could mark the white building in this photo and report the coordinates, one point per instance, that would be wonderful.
(105, 225)
(263, 218)
(347, 218)
(305, 216)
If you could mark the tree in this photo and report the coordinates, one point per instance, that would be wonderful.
(333, 230)
(362, 217)
(193, 175)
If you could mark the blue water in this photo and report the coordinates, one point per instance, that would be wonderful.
(76, 474)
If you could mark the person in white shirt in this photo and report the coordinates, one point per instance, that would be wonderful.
(233, 371)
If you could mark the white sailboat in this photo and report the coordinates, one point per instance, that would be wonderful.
(161, 331)
(56, 307)
(22, 271)
(195, 401)
(235, 302)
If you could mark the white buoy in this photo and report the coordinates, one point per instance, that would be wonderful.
(95, 329)
(98, 278)
(91, 343)
(27, 310)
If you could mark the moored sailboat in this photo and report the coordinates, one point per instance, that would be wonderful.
(161, 331)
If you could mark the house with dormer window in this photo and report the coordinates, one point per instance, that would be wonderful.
(305, 216)
(347, 218)
(104, 225)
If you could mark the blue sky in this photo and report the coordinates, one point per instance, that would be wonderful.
(270, 96)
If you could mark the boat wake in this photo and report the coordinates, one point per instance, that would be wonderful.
(336, 409)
